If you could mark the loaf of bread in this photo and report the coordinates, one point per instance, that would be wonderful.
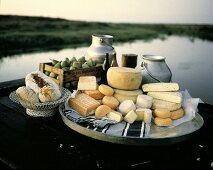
(43, 85)
(27, 94)
(83, 104)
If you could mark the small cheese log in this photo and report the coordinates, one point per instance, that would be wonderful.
(102, 111)
(117, 116)
(140, 113)
(130, 117)
(96, 94)
(177, 114)
(162, 113)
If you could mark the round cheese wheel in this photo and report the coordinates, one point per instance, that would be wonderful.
(124, 78)
(128, 92)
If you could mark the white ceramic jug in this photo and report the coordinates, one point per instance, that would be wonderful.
(101, 44)
(155, 69)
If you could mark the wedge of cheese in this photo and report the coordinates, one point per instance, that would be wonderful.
(83, 104)
(175, 97)
(160, 87)
(162, 104)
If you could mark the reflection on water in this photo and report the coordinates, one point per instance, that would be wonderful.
(191, 62)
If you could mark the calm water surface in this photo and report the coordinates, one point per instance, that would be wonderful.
(191, 62)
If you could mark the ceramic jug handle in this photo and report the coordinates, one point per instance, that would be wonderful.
(102, 41)
(143, 65)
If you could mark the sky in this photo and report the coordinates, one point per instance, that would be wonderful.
(129, 11)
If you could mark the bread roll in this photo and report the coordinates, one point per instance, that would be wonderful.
(110, 101)
(162, 113)
(102, 111)
(106, 90)
(27, 94)
(177, 114)
(163, 122)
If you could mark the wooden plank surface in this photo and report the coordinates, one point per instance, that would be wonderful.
(47, 143)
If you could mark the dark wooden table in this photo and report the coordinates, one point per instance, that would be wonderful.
(47, 143)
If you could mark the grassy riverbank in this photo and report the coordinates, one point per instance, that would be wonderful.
(20, 33)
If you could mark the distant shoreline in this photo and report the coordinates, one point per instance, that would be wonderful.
(25, 33)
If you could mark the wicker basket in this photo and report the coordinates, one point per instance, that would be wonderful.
(46, 109)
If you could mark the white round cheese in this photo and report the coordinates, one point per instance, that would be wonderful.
(144, 101)
(126, 106)
(124, 78)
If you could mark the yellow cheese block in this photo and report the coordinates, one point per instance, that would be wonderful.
(160, 87)
(175, 97)
(124, 78)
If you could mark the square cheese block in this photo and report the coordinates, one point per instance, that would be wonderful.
(87, 83)
(175, 97)
(83, 104)
(160, 87)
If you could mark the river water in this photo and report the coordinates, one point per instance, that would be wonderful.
(190, 60)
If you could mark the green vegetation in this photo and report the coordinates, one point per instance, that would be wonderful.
(31, 33)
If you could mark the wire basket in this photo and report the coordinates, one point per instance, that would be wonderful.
(46, 109)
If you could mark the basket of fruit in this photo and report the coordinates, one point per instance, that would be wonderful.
(66, 73)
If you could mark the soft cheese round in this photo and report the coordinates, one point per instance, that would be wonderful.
(144, 101)
(126, 106)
